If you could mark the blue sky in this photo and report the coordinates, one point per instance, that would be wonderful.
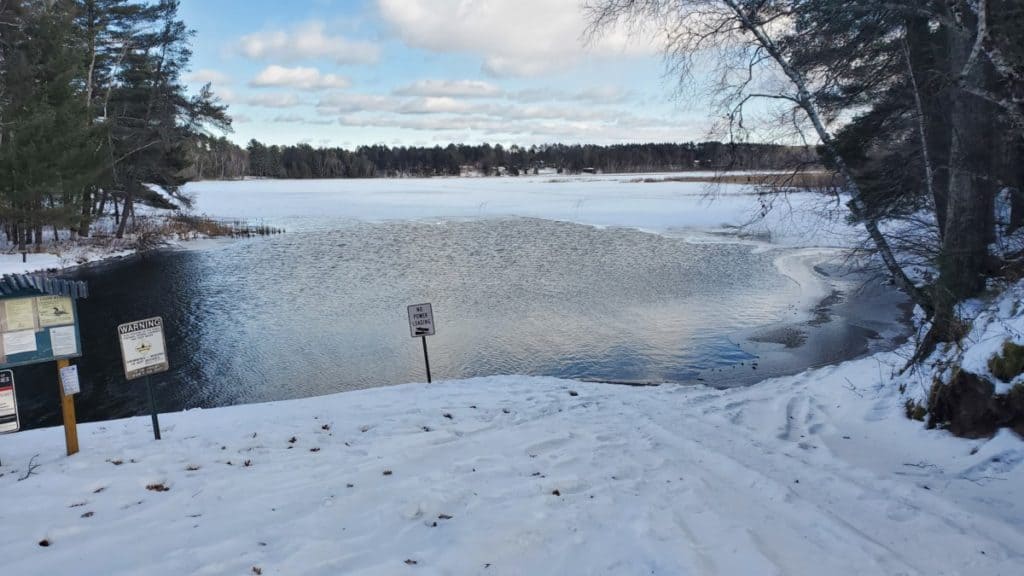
(425, 72)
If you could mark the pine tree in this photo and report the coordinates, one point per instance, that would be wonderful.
(43, 154)
(106, 28)
(152, 120)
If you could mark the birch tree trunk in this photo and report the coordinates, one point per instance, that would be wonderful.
(856, 204)
(925, 51)
(85, 218)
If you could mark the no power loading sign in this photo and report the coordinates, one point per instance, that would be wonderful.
(421, 320)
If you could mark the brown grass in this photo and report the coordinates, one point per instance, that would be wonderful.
(187, 226)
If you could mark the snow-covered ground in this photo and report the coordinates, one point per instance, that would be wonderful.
(993, 322)
(13, 264)
(66, 251)
(819, 473)
(815, 474)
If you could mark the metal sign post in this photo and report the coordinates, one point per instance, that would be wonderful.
(421, 325)
(426, 358)
(145, 353)
(152, 409)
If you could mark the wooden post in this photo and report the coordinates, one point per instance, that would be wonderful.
(67, 408)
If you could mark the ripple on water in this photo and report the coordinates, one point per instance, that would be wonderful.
(323, 310)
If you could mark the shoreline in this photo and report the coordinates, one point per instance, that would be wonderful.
(50, 262)
(78, 257)
(843, 315)
(832, 320)
(826, 320)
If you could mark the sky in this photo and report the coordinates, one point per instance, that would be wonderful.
(429, 72)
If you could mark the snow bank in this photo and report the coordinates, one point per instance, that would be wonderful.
(993, 323)
(72, 256)
(814, 474)
(68, 251)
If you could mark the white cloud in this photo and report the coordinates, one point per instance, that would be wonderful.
(288, 119)
(523, 38)
(465, 88)
(602, 94)
(355, 102)
(446, 105)
(419, 122)
(576, 116)
(207, 75)
(592, 95)
(275, 101)
(612, 129)
(340, 103)
(226, 95)
(567, 108)
(300, 77)
(308, 41)
(297, 119)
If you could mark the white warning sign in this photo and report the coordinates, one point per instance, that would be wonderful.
(142, 347)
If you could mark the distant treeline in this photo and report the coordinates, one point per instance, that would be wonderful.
(220, 159)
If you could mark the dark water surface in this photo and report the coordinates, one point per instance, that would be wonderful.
(324, 310)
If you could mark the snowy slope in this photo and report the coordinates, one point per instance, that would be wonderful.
(993, 322)
(815, 474)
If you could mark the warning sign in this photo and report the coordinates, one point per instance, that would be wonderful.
(8, 403)
(142, 347)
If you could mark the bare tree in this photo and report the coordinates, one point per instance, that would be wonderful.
(750, 32)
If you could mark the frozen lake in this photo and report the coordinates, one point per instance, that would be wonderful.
(601, 278)
(622, 200)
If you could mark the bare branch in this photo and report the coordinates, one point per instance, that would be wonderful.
(31, 468)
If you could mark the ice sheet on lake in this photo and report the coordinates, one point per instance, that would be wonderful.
(684, 208)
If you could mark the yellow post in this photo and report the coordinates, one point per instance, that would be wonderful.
(67, 408)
